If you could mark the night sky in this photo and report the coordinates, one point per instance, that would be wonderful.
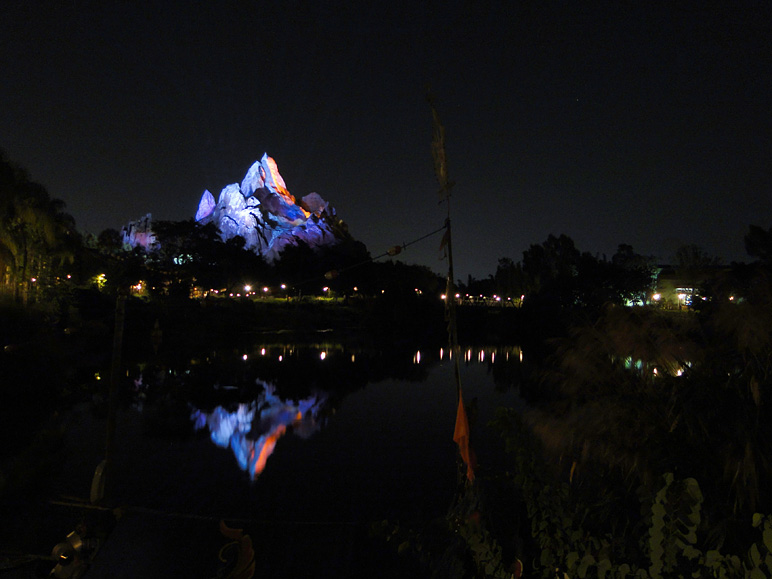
(644, 123)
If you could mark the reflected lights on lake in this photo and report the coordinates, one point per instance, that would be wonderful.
(252, 429)
(483, 354)
(479, 354)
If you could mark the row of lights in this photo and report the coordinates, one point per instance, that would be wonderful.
(469, 355)
(34, 279)
(495, 297)
(681, 298)
(322, 355)
(101, 279)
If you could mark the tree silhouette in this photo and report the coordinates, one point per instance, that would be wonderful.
(36, 235)
(635, 274)
(758, 243)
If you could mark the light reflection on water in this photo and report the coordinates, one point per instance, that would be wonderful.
(481, 354)
(252, 429)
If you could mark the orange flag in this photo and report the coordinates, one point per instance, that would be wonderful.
(461, 437)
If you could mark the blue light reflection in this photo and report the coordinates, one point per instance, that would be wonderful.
(253, 428)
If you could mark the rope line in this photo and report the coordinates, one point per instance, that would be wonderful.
(191, 516)
(389, 252)
(403, 246)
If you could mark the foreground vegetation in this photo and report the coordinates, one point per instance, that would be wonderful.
(645, 449)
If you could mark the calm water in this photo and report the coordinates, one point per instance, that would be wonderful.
(358, 436)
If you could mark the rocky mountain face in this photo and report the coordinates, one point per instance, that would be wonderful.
(267, 215)
(262, 211)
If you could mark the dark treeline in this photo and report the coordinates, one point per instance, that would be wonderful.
(557, 274)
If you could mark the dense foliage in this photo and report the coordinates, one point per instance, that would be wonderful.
(626, 397)
(36, 236)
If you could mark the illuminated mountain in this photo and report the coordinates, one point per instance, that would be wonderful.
(266, 214)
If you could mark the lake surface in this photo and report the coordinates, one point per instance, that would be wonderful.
(369, 435)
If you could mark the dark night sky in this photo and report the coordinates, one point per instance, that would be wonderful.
(613, 122)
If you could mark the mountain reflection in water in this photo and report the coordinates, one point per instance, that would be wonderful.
(298, 387)
(253, 428)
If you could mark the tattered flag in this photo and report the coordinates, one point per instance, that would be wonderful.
(461, 437)
(444, 243)
(438, 153)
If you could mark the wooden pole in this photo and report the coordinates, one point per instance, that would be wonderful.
(99, 485)
(450, 296)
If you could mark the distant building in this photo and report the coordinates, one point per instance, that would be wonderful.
(676, 288)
